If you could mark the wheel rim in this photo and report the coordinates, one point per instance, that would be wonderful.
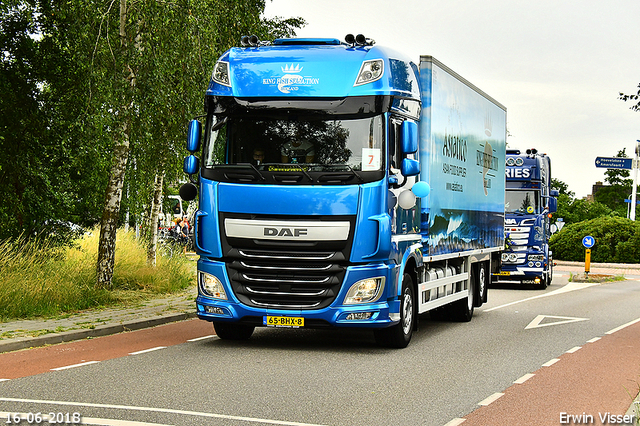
(470, 296)
(481, 282)
(407, 310)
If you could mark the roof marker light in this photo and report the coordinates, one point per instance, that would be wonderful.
(370, 71)
(221, 73)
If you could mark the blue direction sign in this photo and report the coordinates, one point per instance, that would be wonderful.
(588, 241)
(614, 162)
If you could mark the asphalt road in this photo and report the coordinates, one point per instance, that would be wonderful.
(318, 377)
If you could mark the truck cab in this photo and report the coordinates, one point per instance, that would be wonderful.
(529, 204)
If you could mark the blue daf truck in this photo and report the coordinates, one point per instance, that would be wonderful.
(340, 184)
(529, 204)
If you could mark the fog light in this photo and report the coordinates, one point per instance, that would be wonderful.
(214, 310)
(538, 264)
(359, 316)
(530, 264)
(537, 280)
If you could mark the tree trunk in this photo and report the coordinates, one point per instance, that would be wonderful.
(155, 211)
(109, 222)
(113, 196)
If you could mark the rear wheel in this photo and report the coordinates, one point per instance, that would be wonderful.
(462, 310)
(481, 277)
(231, 331)
(399, 335)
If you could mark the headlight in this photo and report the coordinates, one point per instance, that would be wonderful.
(365, 291)
(513, 257)
(211, 286)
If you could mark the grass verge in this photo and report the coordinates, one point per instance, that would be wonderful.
(39, 279)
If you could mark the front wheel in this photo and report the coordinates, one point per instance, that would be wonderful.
(231, 331)
(399, 335)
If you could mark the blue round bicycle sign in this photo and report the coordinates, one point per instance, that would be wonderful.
(588, 241)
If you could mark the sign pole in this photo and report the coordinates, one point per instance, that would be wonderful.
(588, 242)
(635, 183)
(587, 261)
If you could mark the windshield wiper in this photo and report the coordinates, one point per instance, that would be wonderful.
(254, 168)
(355, 173)
(303, 171)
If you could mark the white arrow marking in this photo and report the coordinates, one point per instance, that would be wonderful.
(564, 320)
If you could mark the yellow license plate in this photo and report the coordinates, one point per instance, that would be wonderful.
(291, 322)
(503, 273)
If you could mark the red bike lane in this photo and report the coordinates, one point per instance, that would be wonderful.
(595, 384)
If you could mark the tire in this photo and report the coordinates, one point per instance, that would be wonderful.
(231, 331)
(481, 283)
(462, 310)
(399, 335)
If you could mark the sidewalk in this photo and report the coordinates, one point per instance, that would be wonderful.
(20, 334)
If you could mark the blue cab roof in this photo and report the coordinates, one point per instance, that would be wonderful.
(324, 68)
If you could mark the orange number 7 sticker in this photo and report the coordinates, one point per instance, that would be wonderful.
(370, 159)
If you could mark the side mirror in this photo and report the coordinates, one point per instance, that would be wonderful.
(409, 137)
(193, 136)
(554, 193)
(553, 205)
(191, 165)
(188, 192)
(410, 167)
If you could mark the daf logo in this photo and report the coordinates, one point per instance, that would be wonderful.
(285, 232)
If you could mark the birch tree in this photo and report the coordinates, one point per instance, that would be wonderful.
(160, 69)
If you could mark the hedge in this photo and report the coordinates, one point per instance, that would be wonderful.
(617, 241)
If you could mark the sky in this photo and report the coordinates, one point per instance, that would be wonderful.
(557, 65)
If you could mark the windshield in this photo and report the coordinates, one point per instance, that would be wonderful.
(317, 143)
(521, 201)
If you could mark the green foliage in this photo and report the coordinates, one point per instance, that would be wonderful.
(40, 278)
(613, 196)
(562, 187)
(617, 240)
(64, 71)
(633, 98)
(573, 210)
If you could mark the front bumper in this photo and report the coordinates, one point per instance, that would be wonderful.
(382, 313)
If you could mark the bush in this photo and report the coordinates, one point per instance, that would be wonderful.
(617, 240)
(40, 278)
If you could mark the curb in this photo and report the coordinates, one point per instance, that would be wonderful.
(598, 265)
(104, 330)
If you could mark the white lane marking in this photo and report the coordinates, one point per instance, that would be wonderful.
(595, 339)
(565, 320)
(85, 420)
(159, 410)
(490, 399)
(574, 349)
(567, 288)
(455, 422)
(211, 336)
(4, 380)
(148, 350)
(524, 378)
(622, 326)
(82, 364)
(550, 362)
